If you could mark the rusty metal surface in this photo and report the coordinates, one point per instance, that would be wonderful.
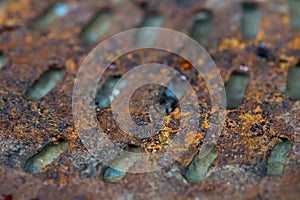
(266, 116)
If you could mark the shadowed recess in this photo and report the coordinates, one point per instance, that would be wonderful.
(293, 83)
(250, 20)
(264, 52)
(46, 156)
(48, 17)
(97, 26)
(117, 170)
(4, 4)
(110, 89)
(278, 158)
(3, 59)
(201, 27)
(145, 38)
(294, 9)
(44, 84)
(198, 168)
(235, 89)
(175, 90)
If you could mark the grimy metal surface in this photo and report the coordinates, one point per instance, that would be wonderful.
(36, 40)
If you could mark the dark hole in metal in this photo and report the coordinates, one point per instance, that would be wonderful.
(173, 93)
(46, 156)
(48, 17)
(108, 91)
(150, 20)
(235, 89)
(3, 59)
(294, 10)
(97, 26)
(250, 20)
(278, 157)
(201, 27)
(45, 84)
(293, 83)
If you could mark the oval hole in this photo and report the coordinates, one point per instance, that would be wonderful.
(108, 91)
(46, 156)
(278, 157)
(52, 13)
(3, 59)
(119, 167)
(97, 26)
(44, 84)
(235, 89)
(294, 10)
(293, 83)
(250, 20)
(196, 171)
(145, 38)
(4, 4)
(201, 27)
(174, 92)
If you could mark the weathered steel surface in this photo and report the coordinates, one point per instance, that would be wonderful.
(266, 116)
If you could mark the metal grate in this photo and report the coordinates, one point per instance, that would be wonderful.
(256, 46)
